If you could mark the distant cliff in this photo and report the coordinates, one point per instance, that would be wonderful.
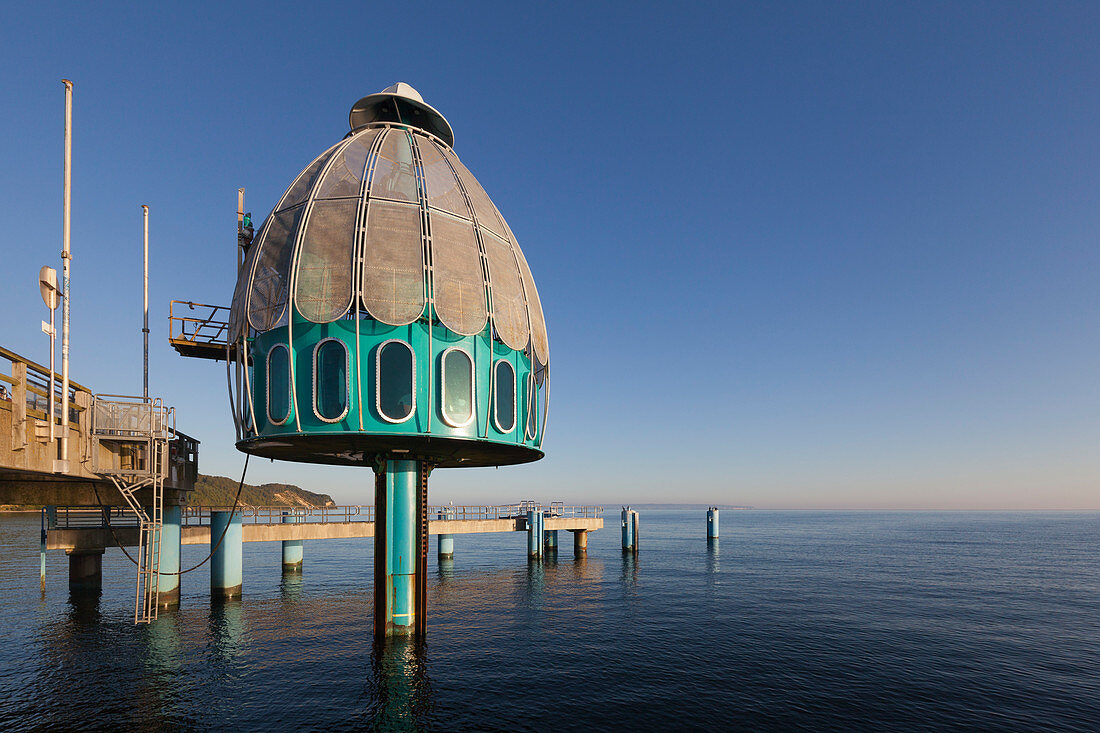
(220, 491)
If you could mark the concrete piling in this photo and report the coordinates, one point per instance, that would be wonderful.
(446, 541)
(293, 552)
(712, 523)
(551, 540)
(580, 542)
(227, 559)
(85, 569)
(168, 580)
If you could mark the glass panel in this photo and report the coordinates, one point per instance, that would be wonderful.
(299, 190)
(345, 176)
(458, 387)
(322, 290)
(396, 384)
(532, 407)
(459, 280)
(487, 215)
(504, 396)
(331, 380)
(443, 190)
(278, 384)
(509, 307)
(393, 263)
(267, 299)
(394, 173)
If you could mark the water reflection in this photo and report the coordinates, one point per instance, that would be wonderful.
(399, 689)
(536, 584)
(226, 629)
(84, 607)
(162, 645)
(446, 569)
(290, 588)
(630, 570)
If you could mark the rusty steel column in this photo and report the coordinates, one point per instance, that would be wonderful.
(400, 548)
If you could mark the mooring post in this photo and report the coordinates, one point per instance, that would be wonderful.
(227, 559)
(42, 552)
(168, 582)
(293, 550)
(712, 523)
(400, 533)
(551, 540)
(629, 524)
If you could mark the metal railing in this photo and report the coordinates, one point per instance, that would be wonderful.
(82, 517)
(203, 324)
(200, 515)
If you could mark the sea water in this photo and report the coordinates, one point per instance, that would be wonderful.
(823, 621)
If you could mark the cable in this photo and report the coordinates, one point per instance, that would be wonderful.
(236, 503)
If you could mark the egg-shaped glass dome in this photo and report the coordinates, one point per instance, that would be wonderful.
(388, 245)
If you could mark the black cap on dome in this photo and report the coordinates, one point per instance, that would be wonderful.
(402, 104)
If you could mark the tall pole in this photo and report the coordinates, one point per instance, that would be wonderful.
(66, 257)
(240, 228)
(145, 327)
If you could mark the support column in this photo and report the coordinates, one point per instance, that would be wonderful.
(293, 550)
(534, 534)
(446, 541)
(399, 557)
(85, 569)
(227, 561)
(712, 523)
(168, 583)
(551, 541)
(580, 542)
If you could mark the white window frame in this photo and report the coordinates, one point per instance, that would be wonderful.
(347, 380)
(378, 380)
(496, 396)
(532, 416)
(289, 387)
(443, 388)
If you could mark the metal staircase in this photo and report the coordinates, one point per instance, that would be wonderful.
(130, 448)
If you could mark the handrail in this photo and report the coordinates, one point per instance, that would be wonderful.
(82, 517)
(44, 371)
(210, 330)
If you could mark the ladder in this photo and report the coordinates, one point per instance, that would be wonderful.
(135, 432)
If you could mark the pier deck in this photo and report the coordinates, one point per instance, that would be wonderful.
(81, 528)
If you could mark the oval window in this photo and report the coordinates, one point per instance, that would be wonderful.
(532, 407)
(278, 385)
(395, 381)
(458, 388)
(330, 380)
(504, 396)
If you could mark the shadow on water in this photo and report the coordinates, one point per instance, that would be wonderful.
(399, 689)
(84, 607)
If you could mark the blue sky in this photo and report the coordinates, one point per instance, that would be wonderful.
(812, 255)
